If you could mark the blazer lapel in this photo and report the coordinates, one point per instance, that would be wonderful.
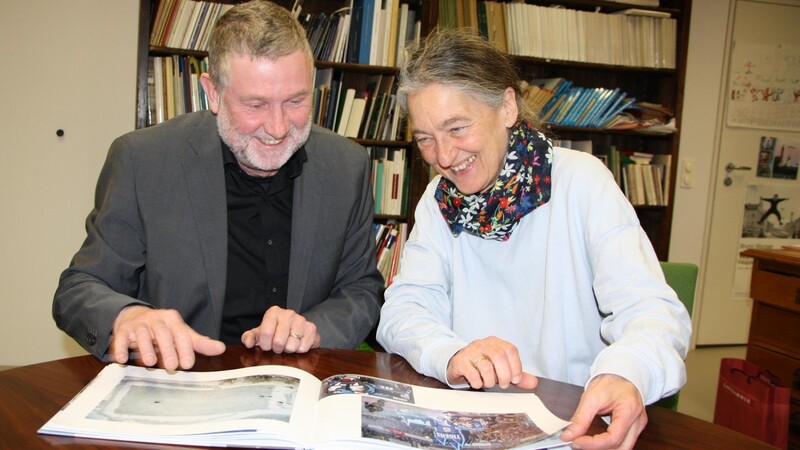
(206, 184)
(306, 203)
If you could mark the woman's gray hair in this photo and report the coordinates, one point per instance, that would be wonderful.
(259, 29)
(462, 59)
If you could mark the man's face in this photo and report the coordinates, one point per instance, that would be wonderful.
(264, 113)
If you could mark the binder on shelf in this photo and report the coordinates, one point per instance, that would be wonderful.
(356, 28)
(366, 29)
(608, 96)
(355, 117)
(373, 87)
(612, 113)
(580, 105)
(591, 104)
(344, 111)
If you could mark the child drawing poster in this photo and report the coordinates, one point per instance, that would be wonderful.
(764, 86)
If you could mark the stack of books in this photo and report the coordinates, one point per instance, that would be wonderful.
(370, 32)
(558, 102)
(328, 34)
(643, 177)
(389, 180)
(174, 88)
(390, 238)
(363, 113)
(632, 37)
(185, 24)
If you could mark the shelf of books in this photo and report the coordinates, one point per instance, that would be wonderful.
(605, 77)
(357, 46)
(609, 72)
(390, 238)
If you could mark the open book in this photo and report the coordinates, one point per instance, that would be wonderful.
(280, 406)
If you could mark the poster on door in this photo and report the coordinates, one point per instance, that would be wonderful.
(771, 220)
(764, 86)
(778, 158)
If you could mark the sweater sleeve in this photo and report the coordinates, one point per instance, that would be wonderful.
(416, 319)
(646, 326)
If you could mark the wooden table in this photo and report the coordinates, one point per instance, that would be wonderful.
(30, 395)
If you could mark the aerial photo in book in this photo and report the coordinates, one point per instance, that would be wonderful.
(285, 407)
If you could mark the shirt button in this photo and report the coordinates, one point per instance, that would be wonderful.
(269, 241)
(274, 289)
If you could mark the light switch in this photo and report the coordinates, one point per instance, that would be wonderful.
(687, 173)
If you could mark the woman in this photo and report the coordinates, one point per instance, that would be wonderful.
(525, 260)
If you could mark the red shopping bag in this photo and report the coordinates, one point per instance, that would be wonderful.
(752, 401)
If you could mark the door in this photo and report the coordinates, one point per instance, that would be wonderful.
(67, 65)
(762, 34)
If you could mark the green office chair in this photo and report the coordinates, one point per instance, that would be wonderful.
(682, 277)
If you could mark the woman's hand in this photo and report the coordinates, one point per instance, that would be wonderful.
(614, 395)
(487, 362)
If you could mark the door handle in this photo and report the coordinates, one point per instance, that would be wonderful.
(730, 167)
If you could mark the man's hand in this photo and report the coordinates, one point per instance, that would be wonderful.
(608, 394)
(487, 362)
(282, 330)
(152, 331)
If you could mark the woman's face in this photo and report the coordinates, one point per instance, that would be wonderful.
(462, 138)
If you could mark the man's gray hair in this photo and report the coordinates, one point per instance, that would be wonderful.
(259, 29)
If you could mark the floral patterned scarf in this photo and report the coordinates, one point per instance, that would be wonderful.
(522, 186)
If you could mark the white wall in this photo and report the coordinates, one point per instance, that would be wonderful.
(701, 116)
(67, 65)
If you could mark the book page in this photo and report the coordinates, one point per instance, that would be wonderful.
(201, 408)
(380, 412)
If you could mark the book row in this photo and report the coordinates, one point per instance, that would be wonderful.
(370, 32)
(390, 238)
(632, 37)
(185, 24)
(368, 112)
(559, 102)
(643, 177)
(389, 180)
(643, 184)
(361, 107)
(173, 87)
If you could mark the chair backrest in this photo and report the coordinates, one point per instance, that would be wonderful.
(682, 278)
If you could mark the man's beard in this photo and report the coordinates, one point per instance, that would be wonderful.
(245, 149)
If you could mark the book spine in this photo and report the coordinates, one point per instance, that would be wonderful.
(365, 41)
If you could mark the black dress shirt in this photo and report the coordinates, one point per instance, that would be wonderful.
(259, 239)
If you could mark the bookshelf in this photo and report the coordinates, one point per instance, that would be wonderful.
(399, 174)
(658, 82)
(660, 85)
(352, 75)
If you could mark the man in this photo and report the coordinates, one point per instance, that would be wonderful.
(251, 227)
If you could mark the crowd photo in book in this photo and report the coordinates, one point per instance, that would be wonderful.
(426, 428)
(279, 406)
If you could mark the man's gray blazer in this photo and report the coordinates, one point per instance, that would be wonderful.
(158, 236)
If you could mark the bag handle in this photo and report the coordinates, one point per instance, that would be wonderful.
(768, 379)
